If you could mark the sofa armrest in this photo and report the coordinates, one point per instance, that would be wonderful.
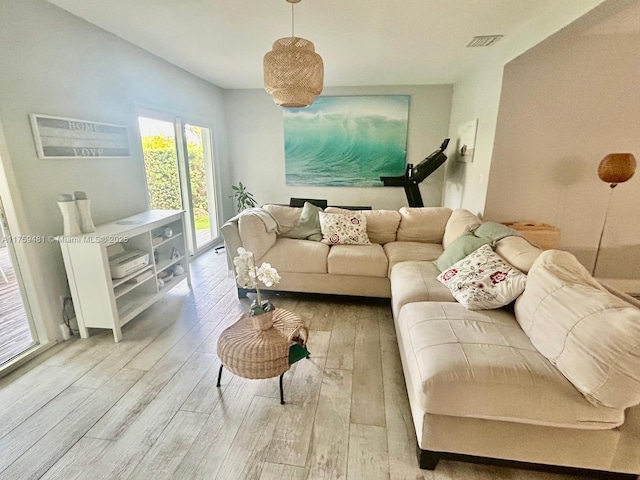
(254, 235)
(457, 225)
(232, 241)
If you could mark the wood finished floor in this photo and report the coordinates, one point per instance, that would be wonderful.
(148, 407)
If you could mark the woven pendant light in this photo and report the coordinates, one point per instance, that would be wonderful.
(293, 71)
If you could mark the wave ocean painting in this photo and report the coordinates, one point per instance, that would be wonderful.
(346, 141)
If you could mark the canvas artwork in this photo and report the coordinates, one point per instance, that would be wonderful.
(346, 141)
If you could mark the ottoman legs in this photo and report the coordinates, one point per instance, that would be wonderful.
(281, 391)
(219, 375)
(281, 388)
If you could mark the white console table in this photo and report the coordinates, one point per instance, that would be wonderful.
(102, 302)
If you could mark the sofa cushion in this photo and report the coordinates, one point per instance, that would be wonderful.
(416, 282)
(297, 256)
(382, 225)
(590, 335)
(483, 280)
(411, 251)
(481, 364)
(518, 251)
(343, 228)
(459, 249)
(308, 226)
(425, 224)
(366, 260)
(460, 222)
(287, 217)
(254, 235)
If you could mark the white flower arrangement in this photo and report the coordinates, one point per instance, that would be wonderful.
(248, 276)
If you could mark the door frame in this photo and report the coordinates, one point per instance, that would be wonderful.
(181, 123)
(178, 119)
(31, 282)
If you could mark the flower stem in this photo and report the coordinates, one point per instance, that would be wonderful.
(257, 287)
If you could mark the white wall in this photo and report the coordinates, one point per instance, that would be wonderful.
(566, 104)
(256, 146)
(477, 96)
(54, 63)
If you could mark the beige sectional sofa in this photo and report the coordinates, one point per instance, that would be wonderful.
(552, 380)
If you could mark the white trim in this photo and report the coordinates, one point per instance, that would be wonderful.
(43, 321)
(25, 357)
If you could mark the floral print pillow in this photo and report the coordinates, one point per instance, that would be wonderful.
(343, 228)
(483, 280)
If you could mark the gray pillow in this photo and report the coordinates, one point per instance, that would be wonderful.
(459, 249)
(308, 228)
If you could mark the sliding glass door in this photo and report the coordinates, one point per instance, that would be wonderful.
(17, 333)
(201, 184)
(178, 158)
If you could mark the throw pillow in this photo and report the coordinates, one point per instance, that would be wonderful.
(343, 229)
(382, 225)
(458, 249)
(482, 280)
(494, 231)
(308, 228)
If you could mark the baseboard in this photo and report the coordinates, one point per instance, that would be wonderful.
(428, 460)
(630, 287)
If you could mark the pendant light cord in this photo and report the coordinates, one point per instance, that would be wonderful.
(292, 21)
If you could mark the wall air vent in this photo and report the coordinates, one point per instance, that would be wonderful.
(484, 40)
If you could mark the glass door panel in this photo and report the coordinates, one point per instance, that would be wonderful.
(178, 159)
(161, 163)
(16, 330)
(201, 184)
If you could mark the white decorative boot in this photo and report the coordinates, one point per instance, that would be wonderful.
(84, 212)
(69, 215)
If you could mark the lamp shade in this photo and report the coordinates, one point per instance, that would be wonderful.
(293, 72)
(617, 168)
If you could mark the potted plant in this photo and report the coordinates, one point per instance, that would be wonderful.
(242, 197)
(250, 276)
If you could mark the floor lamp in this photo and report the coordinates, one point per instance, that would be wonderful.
(615, 168)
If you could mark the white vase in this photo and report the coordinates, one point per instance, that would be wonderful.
(84, 214)
(71, 226)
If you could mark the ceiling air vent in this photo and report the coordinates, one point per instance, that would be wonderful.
(484, 40)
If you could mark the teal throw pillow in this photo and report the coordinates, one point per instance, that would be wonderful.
(308, 228)
(459, 249)
(494, 231)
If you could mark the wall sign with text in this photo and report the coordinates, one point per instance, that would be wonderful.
(58, 137)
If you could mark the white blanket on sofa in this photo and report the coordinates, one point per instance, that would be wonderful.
(270, 223)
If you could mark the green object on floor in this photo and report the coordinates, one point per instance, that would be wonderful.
(297, 352)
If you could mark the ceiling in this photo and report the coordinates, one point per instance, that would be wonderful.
(362, 42)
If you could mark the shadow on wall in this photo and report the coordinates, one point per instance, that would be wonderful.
(454, 180)
(567, 171)
(566, 174)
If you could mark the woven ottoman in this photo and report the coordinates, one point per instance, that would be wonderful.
(250, 352)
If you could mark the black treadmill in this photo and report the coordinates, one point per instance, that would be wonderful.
(414, 175)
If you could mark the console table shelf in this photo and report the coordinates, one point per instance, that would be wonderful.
(102, 302)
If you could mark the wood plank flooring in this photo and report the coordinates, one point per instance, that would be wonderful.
(148, 407)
